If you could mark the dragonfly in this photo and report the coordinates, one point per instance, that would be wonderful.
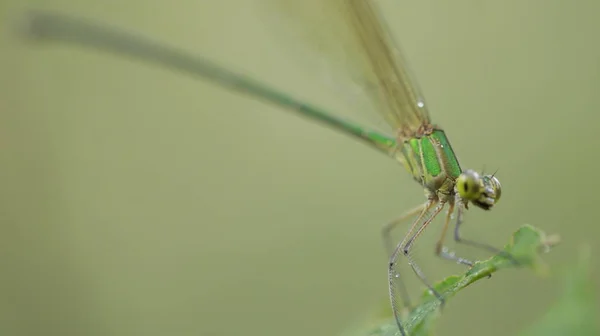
(419, 145)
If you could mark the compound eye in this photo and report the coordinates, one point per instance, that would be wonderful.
(468, 185)
(498, 188)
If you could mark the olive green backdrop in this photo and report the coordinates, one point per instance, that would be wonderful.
(137, 201)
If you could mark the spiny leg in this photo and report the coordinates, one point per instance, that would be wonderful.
(482, 246)
(408, 243)
(386, 231)
(389, 247)
(443, 251)
(395, 283)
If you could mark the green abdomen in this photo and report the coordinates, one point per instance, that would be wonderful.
(431, 160)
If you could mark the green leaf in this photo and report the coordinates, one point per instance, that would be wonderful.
(576, 312)
(525, 247)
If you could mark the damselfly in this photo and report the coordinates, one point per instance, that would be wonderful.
(420, 146)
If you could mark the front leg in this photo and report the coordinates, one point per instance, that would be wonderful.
(443, 251)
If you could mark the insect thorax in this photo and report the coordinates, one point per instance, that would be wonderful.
(429, 158)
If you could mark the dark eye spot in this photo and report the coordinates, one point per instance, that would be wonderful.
(466, 187)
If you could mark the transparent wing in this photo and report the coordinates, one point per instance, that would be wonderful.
(352, 36)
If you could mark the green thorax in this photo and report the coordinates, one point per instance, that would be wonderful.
(429, 158)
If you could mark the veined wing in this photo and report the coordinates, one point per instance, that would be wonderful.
(354, 38)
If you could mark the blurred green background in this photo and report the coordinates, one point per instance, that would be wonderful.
(137, 201)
